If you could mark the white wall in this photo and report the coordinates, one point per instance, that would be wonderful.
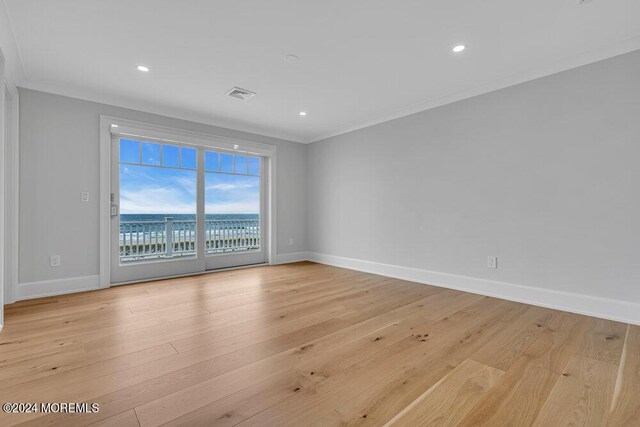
(545, 175)
(59, 159)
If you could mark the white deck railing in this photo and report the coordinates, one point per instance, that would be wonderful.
(143, 240)
(231, 235)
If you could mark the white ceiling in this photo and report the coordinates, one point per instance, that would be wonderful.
(361, 61)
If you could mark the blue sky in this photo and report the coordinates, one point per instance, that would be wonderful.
(162, 190)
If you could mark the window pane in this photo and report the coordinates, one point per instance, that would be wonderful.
(254, 166)
(150, 153)
(188, 158)
(129, 151)
(236, 200)
(241, 165)
(151, 194)
(210, 161)
(170, 156)
(226, 162)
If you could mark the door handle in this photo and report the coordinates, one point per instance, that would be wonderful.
(114, 207)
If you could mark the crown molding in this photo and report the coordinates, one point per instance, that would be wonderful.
(585, 58)
(152, 108)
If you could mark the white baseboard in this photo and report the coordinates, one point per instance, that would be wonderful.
(291, 257)
(47, 288)
(605, 308)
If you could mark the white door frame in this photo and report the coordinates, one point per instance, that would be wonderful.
(2, 194)
(169, 134)
(11, 187)
(9, 191)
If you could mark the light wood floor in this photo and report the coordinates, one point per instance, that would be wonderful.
(307, 344)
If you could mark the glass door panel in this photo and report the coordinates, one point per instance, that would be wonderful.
(154, 192)
(233, 207)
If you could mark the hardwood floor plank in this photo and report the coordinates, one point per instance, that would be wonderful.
(310, 344)
(328, 363)
(125, 419)
(604, 340)
(237, 322)
(444, 352)
(310, 404)
(196, 397)
(625, 405)
(133, 387)
(582, 394)
(502, 351)
(79, 365)
(116, 326)
(519, 395)
(245, 403)
(449, 400)
(317, 359)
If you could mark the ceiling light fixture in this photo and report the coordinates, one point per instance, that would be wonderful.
(291, 58)
(459, 48)
(143, 68)
(303, 113)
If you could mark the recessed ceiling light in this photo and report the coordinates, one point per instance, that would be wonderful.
(143, 68)
(236, 146)
(114, 126)
(459, 48)
(303, 113)
(291, 58)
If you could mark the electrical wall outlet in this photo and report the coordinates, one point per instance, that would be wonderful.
(492, 262)
(291, 242)
(84, 196)
(55, 261)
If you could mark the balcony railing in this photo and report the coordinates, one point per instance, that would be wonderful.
(170, 238)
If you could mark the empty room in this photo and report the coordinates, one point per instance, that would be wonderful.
(320, 213)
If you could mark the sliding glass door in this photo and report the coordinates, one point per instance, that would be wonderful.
(179, 209)
(234, 225)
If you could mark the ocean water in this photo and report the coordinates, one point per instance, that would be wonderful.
(183, 217)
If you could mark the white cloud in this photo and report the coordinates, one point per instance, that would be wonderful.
(163, 200)
(188, 184)
(229, 187)
(157, 200)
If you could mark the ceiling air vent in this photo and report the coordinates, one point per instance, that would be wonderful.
(239, 93)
